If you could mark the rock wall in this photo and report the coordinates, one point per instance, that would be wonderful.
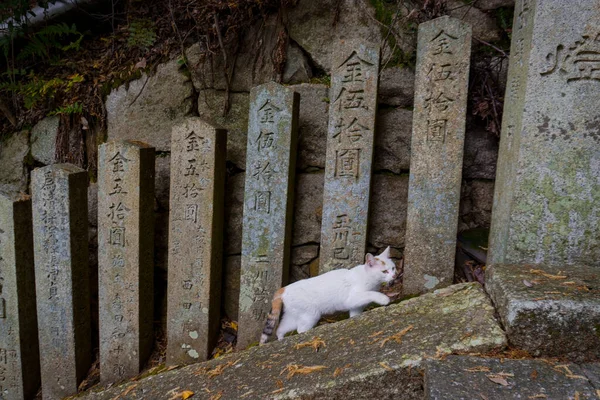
(147, 108)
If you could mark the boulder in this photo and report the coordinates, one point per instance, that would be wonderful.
(483, 24)
(211, 105)
(493, 4)
(375, 355)
(146, 109)
(477, 200)
(549, 310)
(308, 208)
(481, 154)
(13, 155)
(396, 87)
(387, 222)
(463, 377)
(392, 140)
(312, 125)
(43, 140)
(317, 26)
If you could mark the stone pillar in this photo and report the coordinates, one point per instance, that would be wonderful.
(125, 257)
(198, 153)
(436, 155)
(350, 139)
(547, 193)
(19, 350)
(268, 204)
(60, 238)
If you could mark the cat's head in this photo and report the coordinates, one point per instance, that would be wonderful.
(382, 266)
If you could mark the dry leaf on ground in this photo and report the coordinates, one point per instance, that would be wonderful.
(293, 369)
(316, 343)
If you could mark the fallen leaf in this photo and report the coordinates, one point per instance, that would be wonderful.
(386, 366)
(570, 283)
(187, 394)
(376, 334)
(277, 391)
(498, 379)
(216, 396)
(339, 370)
(141, 64)
(293, 369)
(397, 337)
(315, 343)
(479, 368)
(527, 283)
(538, 396)
(248, 393)
(547, 275)
(534, 374)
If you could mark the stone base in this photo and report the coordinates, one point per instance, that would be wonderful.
(366, 357)
(461, 377)
(550, 311)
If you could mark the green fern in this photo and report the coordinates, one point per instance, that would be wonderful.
(75, 108)
(141, 34)
(46, 39)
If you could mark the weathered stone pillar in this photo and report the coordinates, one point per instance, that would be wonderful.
(547, 194)
(436, 155)
(125, 257)
(60, 233)
(198, 153)
(268, 204)
(350, 138)
(19, 350)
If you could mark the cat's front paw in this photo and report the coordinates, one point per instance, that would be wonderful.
(384, 300)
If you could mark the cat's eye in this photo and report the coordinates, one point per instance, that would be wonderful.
(385, 271)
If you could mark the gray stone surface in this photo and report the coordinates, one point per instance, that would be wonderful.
(492, 4)
(547, 196)
(549, 310)
(480, 154)
(13, 152)
(476, 200)
(19, 350)
(60, 238)
(125, 257)
(397, 86)
(43, 139)
(387, 222)
(195, 240)
(147, 108)
(392, 140)
(318, 26)
(234, 212)
(308, 208)
(210, 108)
(375, 355)
(483, 24)
(463, 377)
(268, 204)
(350, 142)
(436, 153)
(592, 372)
(254, 60)
(312, 129)
(231, 286)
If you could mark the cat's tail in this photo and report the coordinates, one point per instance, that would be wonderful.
(273, 317)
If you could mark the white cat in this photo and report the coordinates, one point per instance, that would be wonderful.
(305, 301)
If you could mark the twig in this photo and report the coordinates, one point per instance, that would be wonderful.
(492, 46)
(141, 90)
(225, 73)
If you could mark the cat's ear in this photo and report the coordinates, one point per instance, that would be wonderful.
(370, 260)
(386, 252)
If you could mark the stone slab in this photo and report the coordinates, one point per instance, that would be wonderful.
(548, 310)
(60, 237)
(350, 142)
(43, 139)
(437, 144)
(547, 195)
(147, 108)
(268, 204)
(198, 153)
(357, 359)
(463, 377)
(19, 350)
(125, 257)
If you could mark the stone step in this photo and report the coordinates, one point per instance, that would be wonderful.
(464, 377)
(375, 355)
(549, 310)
